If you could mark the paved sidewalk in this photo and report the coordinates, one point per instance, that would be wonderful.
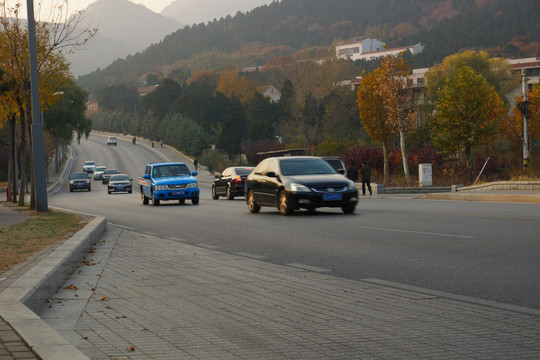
(142, 297)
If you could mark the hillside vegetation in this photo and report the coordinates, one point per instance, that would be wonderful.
(309, 28)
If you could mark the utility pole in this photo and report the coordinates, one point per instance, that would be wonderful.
(38, 139)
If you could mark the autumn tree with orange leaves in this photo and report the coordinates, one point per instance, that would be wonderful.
(374, 117)
(55, 35)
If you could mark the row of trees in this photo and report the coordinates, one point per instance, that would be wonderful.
(53, 36)
(464, 111)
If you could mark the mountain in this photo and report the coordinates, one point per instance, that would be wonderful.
(201, 11)
(124, 29)
(293, 27)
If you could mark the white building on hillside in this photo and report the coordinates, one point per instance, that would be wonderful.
(370, 49)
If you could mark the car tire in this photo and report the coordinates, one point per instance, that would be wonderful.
(130, 191)
(195, 200)
(252, 205)
(181, 201)
(155, 201)
(70, 189)
(284, 204)
(109, 192)
(89, 188)
(144, 198)
(214, 195)
(349, 208)
(229, 193)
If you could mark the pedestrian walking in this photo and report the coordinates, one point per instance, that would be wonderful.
(352, 173)
(365, 173)
(161, 143)
(195, 162)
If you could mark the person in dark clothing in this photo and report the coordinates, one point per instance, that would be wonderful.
(365, 172)
(195, 162)
(352, 173)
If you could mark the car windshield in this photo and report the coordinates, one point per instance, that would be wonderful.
(170, 170)
(120, 177)
(292, 167)
(108, 172)
(100, 168)
(335, 163)
(79, 176)
(89, 163)
(244, 171)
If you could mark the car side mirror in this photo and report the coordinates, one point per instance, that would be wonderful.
(217, 176)
(146, 176)
(194, 173)
(271, 174)
(341, 171)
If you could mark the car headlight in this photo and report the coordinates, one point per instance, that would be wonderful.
(192, 185)
(71, 182)
(299, 188)
(161, 187)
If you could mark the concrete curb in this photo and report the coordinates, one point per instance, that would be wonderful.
(31, 291)
(521, 198)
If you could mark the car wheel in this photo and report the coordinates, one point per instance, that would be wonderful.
(284, 204)
(229, 193)
(130, 191)
(109, 192)
(348, 209)
(182, 201)
(89, 188)
(70, 189)
(144, 198)
(155, 201)
(195, 200)
(214, 195)
(252, 205)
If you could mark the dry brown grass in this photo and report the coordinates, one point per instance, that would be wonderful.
(22, 240)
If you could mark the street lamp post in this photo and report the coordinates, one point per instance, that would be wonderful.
(38, 140)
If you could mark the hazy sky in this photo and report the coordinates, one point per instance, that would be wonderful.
(74, 5)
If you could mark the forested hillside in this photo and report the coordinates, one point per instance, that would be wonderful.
(309, 28)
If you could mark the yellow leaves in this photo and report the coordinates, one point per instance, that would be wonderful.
(72, 287)
(104, 298)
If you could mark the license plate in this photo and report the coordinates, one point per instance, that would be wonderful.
(332, 197)
(178, 192)
(120, 188)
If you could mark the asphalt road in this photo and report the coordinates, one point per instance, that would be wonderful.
(485, 250)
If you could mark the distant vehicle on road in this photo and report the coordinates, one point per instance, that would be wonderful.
(111, 140)
(107, 173)
(119, 183)
(336, 163)
(79, 181)
(98, 172)
(295, 182)
(168, 181)
(89, 166)
(230, 183)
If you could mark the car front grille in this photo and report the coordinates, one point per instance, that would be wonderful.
(177, 186)
(330, 189)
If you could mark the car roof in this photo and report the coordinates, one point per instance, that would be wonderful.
(120, 174)
(167, 163)
(89, 161)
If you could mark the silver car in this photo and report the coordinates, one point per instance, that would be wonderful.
(98, 172)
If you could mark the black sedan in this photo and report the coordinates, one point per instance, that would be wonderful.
(291, 183)
(230, 183)
(119, 183)
(107, 173)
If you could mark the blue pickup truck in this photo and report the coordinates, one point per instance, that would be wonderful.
(168, 181)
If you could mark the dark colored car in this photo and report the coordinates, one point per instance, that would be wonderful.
(107, 173)
(230, 183)
(119, 183)
(80, 181)
(336, 163)
(298, 182)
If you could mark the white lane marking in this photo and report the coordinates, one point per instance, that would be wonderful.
(417, 232)
(310, 268)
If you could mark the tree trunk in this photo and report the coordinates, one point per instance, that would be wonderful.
(404, 155)
(386, 165)
(23, 156)
(12, 178)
